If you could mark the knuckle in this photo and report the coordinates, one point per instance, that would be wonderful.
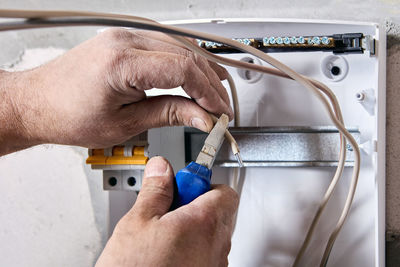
(224, 262)
(197, 59)
(129, 127)
(182, 229)
(224, 71)
(117, 34)
(119, 67)
(188, 64)
(160, 190)
(114, 58)
(208, 218)
(228, 245)
(171, 115)
(226, 248)
(202, 61)
(226, 192)
(156, 185)
(234, 196)
(121, 125)
(108, 131)
(124, 226)
(188, 54)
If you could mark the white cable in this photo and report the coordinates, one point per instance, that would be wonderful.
(147, 24)
(338, 123)
(235, 100)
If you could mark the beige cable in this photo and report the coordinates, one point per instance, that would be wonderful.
(283, 68)
(339, 170)
(235, 100)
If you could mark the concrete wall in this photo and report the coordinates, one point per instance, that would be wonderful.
(41, 224)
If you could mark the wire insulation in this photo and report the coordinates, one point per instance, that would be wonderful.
(38, 19)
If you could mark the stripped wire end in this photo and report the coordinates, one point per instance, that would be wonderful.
(239, 159)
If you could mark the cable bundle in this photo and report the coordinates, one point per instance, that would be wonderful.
(42, 19)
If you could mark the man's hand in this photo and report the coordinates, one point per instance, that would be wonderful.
(93, 95)
(197, 234)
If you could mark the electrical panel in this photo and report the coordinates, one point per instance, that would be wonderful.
(288, 144)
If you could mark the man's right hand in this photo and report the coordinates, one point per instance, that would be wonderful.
(197, 234)
(94, 95)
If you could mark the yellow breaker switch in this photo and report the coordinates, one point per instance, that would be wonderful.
(122, 165)
(96, 157)
(118, 157)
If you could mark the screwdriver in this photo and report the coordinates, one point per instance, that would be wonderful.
(195, 179)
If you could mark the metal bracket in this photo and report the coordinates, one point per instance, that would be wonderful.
(277, 146)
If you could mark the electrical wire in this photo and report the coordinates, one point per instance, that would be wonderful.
(235, 100)
(38, 19)
(339, 129)
(342, 156)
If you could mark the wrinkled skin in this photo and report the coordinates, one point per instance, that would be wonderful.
(197, 234)
(93, 96)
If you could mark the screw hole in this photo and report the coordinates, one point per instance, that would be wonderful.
(250, 76)
(112, 181)
(247, 74)
(360, 97)
(131, 181)
(335, 70)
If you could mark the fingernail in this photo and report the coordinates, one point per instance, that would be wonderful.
(199, 124)
(156, 166)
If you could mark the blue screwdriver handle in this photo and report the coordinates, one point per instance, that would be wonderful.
(191, 182)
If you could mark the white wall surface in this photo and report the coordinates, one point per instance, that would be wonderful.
(46, 213)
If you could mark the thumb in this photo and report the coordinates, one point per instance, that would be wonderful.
(156, 195)
(165, 110)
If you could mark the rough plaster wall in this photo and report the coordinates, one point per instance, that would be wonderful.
(47, 215)
(387, 11)
(393, 144)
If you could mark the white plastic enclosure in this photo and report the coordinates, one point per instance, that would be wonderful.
(277, 204)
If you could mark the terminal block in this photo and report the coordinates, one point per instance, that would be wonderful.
(123, 164)
(335, 43)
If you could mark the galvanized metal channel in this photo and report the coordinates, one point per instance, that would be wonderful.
(277, 146)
